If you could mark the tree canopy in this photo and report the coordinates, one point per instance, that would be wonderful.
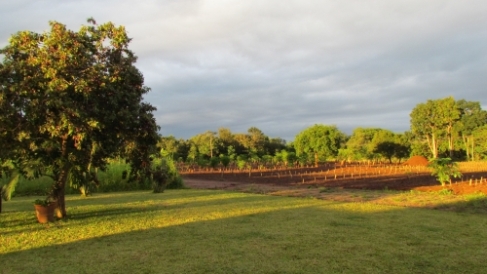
(320, 141)
(434, 119)
(72, 99)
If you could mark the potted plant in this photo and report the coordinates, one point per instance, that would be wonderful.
(44, 210)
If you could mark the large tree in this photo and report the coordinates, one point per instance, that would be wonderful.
(72, 99)
(472, 118)
(320, 141)
(435, 119)
(206, 143)
(361, 145)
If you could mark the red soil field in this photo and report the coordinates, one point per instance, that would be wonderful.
(353, 176)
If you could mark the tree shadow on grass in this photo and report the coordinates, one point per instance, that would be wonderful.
(114, 198)
(476, 204)
(314, 238)
(78, 212)
(163, 206)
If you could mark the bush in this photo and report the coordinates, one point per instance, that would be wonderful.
(444, 169)
(165, 173)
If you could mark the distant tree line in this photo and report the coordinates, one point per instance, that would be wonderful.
(439, 128)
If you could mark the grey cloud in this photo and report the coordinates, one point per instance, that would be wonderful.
(286, 65)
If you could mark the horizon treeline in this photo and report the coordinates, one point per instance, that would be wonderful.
(438, 128)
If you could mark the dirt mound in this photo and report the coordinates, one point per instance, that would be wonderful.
(417, 161)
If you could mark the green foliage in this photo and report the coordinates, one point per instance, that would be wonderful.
(390, 150)
(214, 161)
(9, 188)
(444, 169)
(193, 153)
(71, 100)
(472, 119)
(434, 120)
(205, 144)
(10, 174)
(303, 159)
(161, 173)
(322, 141)
(480, 139)
(202, 162)
(111, 179)
(445, 191)
(241, 161)
(42, 202)
(225, 160)
(166, 165)
(359, 145)
(231, 153)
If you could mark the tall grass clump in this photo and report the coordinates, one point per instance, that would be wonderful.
(163, 173)
(115, 178)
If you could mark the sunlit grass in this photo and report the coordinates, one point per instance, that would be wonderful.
(203, 231)
(444, 200)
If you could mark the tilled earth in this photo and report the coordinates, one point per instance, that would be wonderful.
(400, 186)
(369, 178)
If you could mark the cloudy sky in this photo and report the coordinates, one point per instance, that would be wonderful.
(283, 66)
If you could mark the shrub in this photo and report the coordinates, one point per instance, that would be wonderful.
(165, 173)
(444, 169)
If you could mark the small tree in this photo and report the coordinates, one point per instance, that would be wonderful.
(444, 169)
(214, 161)
(225, 160)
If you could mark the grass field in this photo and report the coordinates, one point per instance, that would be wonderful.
(208, 231)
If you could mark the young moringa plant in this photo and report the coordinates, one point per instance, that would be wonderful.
(444, 169)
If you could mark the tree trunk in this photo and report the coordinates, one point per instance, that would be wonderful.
(450, 145)
(58, 192)
(316, 159)
(466, 143)
(1, 198)
(450, 140)
(432, 143)
(472, 151)
(58, 189)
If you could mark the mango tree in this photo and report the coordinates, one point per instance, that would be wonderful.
(70, 100)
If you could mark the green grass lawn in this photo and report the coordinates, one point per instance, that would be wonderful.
(207, 231)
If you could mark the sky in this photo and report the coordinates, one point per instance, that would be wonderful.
(282, 66)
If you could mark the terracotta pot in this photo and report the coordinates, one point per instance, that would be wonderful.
(45, 213)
